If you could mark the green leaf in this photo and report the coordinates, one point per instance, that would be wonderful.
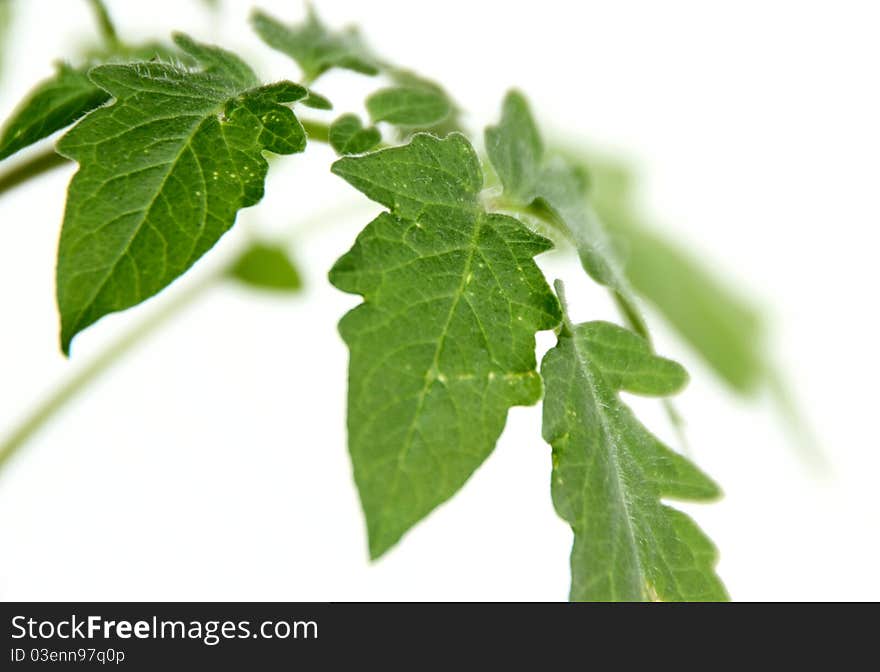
(348, 135)
(444, 342)
(610, 473)
(516, 150)
(269, 267)
(314, 47)
(531, 179)
(53, 104)
(430, 108)
(409, 106)
(163, 172)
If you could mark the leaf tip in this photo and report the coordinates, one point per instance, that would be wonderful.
(379, 542)
(515, 97)
(183, 40)
(65, 339)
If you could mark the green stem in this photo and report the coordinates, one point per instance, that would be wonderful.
(105, 25)
(804, 437)
(70, 388)
(36, 165)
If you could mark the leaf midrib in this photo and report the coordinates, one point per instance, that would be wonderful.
(613, 458)
(407, 442)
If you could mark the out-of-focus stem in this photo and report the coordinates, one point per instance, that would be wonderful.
(105, 25)
(24, 171)
(73, 386)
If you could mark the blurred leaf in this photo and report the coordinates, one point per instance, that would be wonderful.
(268, 267)
(408, 106)
(314, 47)
(726, 332)
(162, 174)
(348, 135)
(516, 150)
(317, 101)
(52, 105)
(610, 473)
(413, 104)
(440, 114)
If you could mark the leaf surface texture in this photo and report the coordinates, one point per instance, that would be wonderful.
(610, 473)
(444, 343)
(162, 173)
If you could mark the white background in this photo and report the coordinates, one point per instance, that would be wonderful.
(211, 464)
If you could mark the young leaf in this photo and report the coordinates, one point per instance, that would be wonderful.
(269, 267)
(348, 135)
(415, 104)
(610, 473)
(163, 172)
(315, 48)
(409, 106)
(529, 178)
(516, 150)
(54, 104)
(443, 344)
